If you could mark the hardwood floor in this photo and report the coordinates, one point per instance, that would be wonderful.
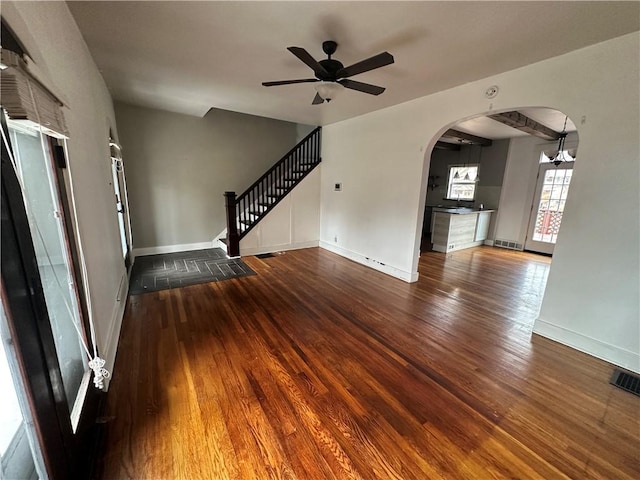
(319, 368)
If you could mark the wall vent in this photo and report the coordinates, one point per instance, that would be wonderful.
(508, 244)
(626, 381)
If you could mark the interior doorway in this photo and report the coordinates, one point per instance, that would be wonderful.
(122, 203)
(495, 163)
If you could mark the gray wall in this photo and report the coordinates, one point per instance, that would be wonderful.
(178, 167)
(492, 164)
(492, 160)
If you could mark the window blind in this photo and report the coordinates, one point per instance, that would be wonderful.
(25, 99)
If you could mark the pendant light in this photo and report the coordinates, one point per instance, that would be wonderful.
(559, 157)
(477, 179)
(456, 176)
(466, 175)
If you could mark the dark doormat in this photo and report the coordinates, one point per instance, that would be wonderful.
(265, 255)
(152, 273)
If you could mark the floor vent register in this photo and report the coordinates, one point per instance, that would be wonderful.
(626, 381)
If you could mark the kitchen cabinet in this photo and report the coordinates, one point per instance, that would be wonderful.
(459, 228)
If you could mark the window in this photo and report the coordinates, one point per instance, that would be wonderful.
(462, 182)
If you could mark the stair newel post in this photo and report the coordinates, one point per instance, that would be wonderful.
(233, 239)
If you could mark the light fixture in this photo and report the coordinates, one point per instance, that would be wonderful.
(560, 156)
(466, 165)
(328, 90)
(477, 179)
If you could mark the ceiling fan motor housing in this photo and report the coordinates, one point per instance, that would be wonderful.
(332, 67)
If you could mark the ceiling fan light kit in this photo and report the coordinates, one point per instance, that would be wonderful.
(331, 75)
(328, 90)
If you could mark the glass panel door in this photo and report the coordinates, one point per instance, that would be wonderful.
(34, 167)
(548, 206)
(20, 455)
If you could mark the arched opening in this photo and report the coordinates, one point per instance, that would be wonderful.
(498, 182)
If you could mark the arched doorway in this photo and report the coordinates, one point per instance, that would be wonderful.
(492, 193)
(503, 173)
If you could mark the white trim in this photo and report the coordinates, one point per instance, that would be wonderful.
(111, 344)
(594, 347)
(222, 234)
(408, 277)
(277, 248)
(185, 247)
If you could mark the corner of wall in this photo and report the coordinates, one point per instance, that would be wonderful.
(591, 346)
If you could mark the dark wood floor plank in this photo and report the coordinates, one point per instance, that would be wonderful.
(319, 368)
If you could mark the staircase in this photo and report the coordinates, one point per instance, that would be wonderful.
(246, 210)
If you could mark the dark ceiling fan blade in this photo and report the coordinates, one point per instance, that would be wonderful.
(288, 82)
(317, 100)
(303, 55)
(377, 61)
(362, 87)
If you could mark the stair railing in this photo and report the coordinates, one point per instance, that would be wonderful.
(245, 211)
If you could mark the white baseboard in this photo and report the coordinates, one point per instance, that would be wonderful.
(137, 252)
(111, 346)
(222, 234)
(277, 248)
(408, 277)
(596, 348)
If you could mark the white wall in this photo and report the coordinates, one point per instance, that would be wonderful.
(50, 35)
(592, 299)
(293, 223)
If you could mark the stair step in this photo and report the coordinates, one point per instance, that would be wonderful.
(256, 213)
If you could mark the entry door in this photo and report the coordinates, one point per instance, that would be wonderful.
(548, 206)
(41, 300)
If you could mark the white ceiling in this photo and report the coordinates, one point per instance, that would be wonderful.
(188, 57)
(488, 128)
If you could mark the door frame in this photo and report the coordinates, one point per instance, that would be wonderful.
(531, 245)
(66, 454)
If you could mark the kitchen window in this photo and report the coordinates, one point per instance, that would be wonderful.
(462, 181)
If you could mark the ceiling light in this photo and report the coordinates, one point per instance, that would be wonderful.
(328, 90)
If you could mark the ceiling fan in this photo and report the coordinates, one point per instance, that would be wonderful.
(332, 76)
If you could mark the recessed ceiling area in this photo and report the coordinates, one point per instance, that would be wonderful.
(188, 57)
(486, 127)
